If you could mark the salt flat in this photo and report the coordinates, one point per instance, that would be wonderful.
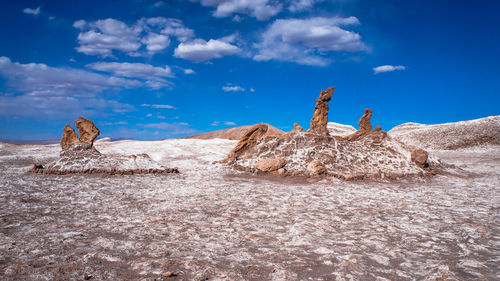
(213, 222)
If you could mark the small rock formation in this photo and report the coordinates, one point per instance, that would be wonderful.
(378, 135)
(319, 120)
(69, 137)
(365, 126)
(79, 156)
(315, 168)
(248, 140)
(419, 157)
(296, 128)
(270, 165)
(88, 131)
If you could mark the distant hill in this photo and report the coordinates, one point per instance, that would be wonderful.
(337, 129)
(234, 133)
(449, 136)
(29, 141)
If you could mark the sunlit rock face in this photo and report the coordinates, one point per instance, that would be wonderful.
(88, 131)
(362, 154)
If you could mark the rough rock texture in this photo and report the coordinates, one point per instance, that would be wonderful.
(365, 126)
(296, 128)
(372, 155)
(319, 120)
(315, 168)
(248, 140)
(369, 157)
(235, 133)
(88, 131)
(270, 165)
(449, 136)
(419, 157)
(69, 137)
(337, 129)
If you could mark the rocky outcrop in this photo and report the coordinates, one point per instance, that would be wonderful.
(315, 168)
(270, 165)
(248, 140)
(319, 120)
(419, 157)
(88, 131)
(69, 137)
(235, 133)
(79, 156)
(365, 126)
(314, 153)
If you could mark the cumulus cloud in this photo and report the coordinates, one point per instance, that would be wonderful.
(31, 11)
(229, 88)
(39, 89)
(189, 71)
(304, 41)
(388, 68)
(200, 50)
(146, 36)
(260, 9)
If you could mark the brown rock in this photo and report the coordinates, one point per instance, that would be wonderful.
(270, 165)
(419, 157)
(378, 135)
(69, 137)
(365, 126)
(88, 131)
(319, 120)
(315, 168)
(296, 128)
(248, 140)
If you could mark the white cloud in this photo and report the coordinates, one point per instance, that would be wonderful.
(301, 5)
(146, 36)
(229, 88)
(215, 123)
(162, 106)
(305, 41)
(153, 75)
(44, 90)
(260, 9)
(188, 71)
(229, 123)
(252, 90)
(159, 4)
(200, 50)
(387, 68)
(32, 11)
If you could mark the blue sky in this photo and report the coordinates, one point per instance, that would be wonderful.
(163, 69)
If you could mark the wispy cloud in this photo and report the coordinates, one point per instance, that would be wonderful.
(31, 11)
(230, 88)
(159, 106)
(229, 123)
(388, 68)
(153, 76)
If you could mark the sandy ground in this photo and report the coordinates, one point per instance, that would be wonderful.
(212, 223)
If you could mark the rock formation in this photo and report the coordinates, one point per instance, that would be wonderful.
(296, 128)
(314, 152)
(248, 140)
(319, 120)
(270, 165)
(365, 126)
(315, 168)
(79, 156)
(88, 131)
(69, 137)
(419, 157)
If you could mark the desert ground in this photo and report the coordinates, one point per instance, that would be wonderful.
(211, 222)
